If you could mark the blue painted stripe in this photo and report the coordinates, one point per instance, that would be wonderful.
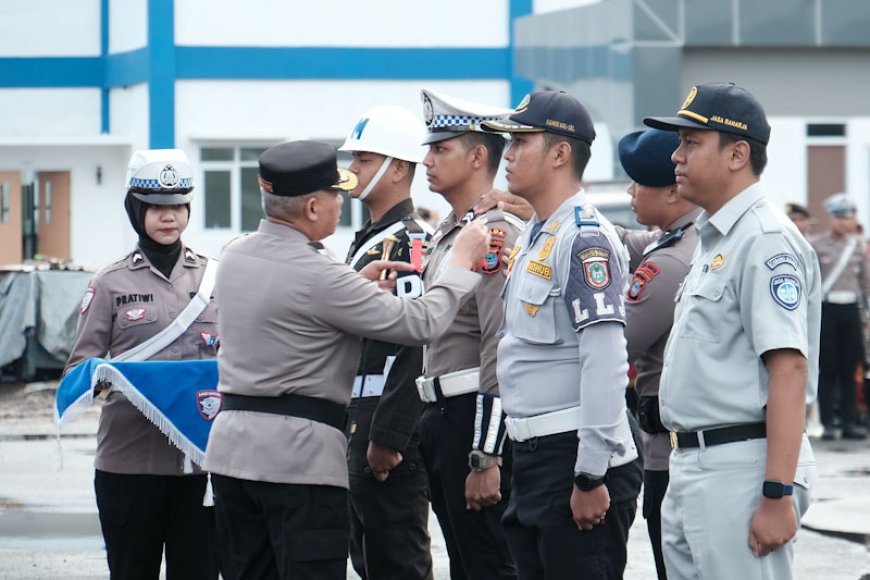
(104, 52)
(215, 62)
(50, 72)
(127, 68)
(161, 73)
(520, 86)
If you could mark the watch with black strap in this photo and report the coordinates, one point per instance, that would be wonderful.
(588, 482)
(773, 489)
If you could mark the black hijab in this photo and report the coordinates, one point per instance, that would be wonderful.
(162, 256)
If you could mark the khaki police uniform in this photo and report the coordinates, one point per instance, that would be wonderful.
(659, 261)
(448, 429)
(127, 303)
(842, 329)
(754, 286)
(389, 520)
(291, 320)
(562, 369)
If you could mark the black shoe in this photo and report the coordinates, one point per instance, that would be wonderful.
(855, 434)
(829, 435)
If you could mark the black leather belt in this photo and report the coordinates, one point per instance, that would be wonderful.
(692, 439)
(321, 410)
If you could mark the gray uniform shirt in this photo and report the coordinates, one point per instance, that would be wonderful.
(660, 262)
(754, 286)
(126, 304)
(292, 321)
(562, 342)
(855, 277)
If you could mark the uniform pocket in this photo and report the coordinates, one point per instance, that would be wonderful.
(535, 322)
(702, 322)
(734, 456)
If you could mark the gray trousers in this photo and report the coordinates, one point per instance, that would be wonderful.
(707, 511)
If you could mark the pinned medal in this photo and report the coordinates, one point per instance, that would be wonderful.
(386, 248)
(718, 262)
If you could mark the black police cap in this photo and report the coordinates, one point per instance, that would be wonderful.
(300, 167)
(797, 208)
(721, 107)
(548, 111)
(646, 157)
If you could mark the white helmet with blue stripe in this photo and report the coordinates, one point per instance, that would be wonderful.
(160, 177)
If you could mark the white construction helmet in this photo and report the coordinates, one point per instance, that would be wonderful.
(391, 131)
(160, 176)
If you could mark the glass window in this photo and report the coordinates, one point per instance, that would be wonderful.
(47, 202)
(252, 210)
(218, 199)
(4, 202)
(216, 154)
(826, 130)
(252, 153)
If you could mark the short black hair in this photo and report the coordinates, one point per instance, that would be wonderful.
(757, 150)
(494, 144)
(580, 151)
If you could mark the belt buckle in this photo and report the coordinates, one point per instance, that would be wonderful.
(426, 389)
(675, 443)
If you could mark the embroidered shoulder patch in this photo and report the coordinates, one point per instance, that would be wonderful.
(209, 404)
(786, 291)
(87, 299)
(644, 273)
(596, 269)
(780, 259)
(585, 217)
(491, 263)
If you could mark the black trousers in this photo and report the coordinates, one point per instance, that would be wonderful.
(840, 352)
(543, 537)
(655, 484)
(142, 514)
(475, 540)
(281, 531)
(389, 521)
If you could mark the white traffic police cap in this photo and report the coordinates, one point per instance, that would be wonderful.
(160, 176)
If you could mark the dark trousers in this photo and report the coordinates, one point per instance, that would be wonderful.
(543, 537)
(475, 540)
(389, 521)
(281, 531)
(142, 514)
(840, 352)
(655, 484)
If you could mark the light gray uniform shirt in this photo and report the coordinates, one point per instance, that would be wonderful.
(562, 342)
(292, 323)
(754, 286)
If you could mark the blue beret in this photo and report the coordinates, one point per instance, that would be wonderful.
(646, 157)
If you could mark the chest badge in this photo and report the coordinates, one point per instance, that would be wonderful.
(210, 340)
(531, 309)
(718, 262)
(87, 299)
(135, 314)
(596, 267)
(547, 249)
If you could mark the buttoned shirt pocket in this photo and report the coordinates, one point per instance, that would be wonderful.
(534, 318)
(704, 311)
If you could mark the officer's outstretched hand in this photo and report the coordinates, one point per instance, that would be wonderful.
(372, 271)
(773, 524)
(506, 202)
(588, 508)
(382, 460)
(471, 245)
(482, 488)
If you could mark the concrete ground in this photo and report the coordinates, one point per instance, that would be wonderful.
(49, 526)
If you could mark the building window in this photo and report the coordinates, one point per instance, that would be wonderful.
(231, 194)
(826, 130)
(4, 202)
(47, 205)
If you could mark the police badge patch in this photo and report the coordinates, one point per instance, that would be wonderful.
(209, 403)
(87, 299)
(492, 261)
(135, 314)
(210, 340)
(168, 177)
(786, 291)
(596, 269)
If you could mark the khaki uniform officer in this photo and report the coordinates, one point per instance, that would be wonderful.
(147, 501)
(293, 318)
(660, 261)
(462, 427)
(562, 361)
(741, 360)
(845, 289)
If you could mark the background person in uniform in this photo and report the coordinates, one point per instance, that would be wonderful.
(800, 217)
(388, 484)
(146, 499)
(562, 357)
(740, 363)
(462, 427)
(292, 319)
(845, 287)
(659, 260)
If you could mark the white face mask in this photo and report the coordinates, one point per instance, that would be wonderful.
(368, 188)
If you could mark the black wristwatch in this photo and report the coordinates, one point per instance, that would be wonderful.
(587, 482)
(773, 489)
(480, 461)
